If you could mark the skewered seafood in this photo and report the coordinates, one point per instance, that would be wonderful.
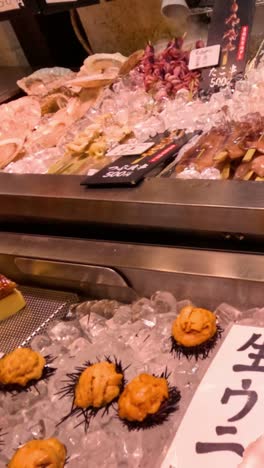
(167, 72)
(235, 150)
(202, 154)
(90, 146)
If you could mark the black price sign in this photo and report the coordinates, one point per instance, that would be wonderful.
(230, 28)
(129, 171)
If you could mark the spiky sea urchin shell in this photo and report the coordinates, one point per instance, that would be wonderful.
(48, 371)
(170, 405)
(198, 352)
(85, 415)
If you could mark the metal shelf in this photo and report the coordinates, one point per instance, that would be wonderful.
(223, 208)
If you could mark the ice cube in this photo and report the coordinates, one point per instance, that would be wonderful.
(227, 314)
(182, 304)
(38, 430)
(141, 308)
(164, 302)
(19, 435)
(40, 343)
(81, 345)
(92, 325)
(258, 316)
(64, 333)
(122, 315)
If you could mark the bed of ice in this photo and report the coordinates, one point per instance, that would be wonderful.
(139, 335)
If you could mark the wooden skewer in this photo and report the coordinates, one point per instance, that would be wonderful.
(248, 175)
(191, 91)
(201, 153)
(226, 171)
(249, 155)
(221, 156)
(225, 59)
(251, 151)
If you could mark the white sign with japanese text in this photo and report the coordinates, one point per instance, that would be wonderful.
(227, 410)
(204, 57)
(130, 149)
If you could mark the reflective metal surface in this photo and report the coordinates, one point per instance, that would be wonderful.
(227, 207)
(208, 278)
(43, 306)
(98, 281)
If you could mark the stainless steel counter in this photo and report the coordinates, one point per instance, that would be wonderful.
(124, 270)
(228, 208)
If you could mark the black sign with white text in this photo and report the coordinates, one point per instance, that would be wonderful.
(129, 171)
(230, 28)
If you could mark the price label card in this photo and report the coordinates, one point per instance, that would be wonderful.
(230, 27)
(128, 170)
(130, 149)
(204, 57)
(8, 5)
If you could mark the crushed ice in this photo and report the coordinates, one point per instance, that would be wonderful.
(139, 335)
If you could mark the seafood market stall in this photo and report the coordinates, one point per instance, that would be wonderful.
(141, 133)
(131, 285)
(128, 326)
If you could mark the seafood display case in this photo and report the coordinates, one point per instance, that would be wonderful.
(60, 279)
(124, 304)
(71, 125)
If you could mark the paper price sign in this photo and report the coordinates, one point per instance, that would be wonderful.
(130, 149)
(204, 57)
(132, 168)
(226, 413)
(126, 171)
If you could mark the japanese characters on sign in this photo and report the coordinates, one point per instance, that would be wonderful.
(127, 170)
(230, 28)
(129, 149)
(204, 57)
(130, 169)
(226, 413)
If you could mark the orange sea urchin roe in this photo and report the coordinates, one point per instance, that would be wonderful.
(20, 366)
(98, 385)
(49, 453)
(194, 326)
(142, 396)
